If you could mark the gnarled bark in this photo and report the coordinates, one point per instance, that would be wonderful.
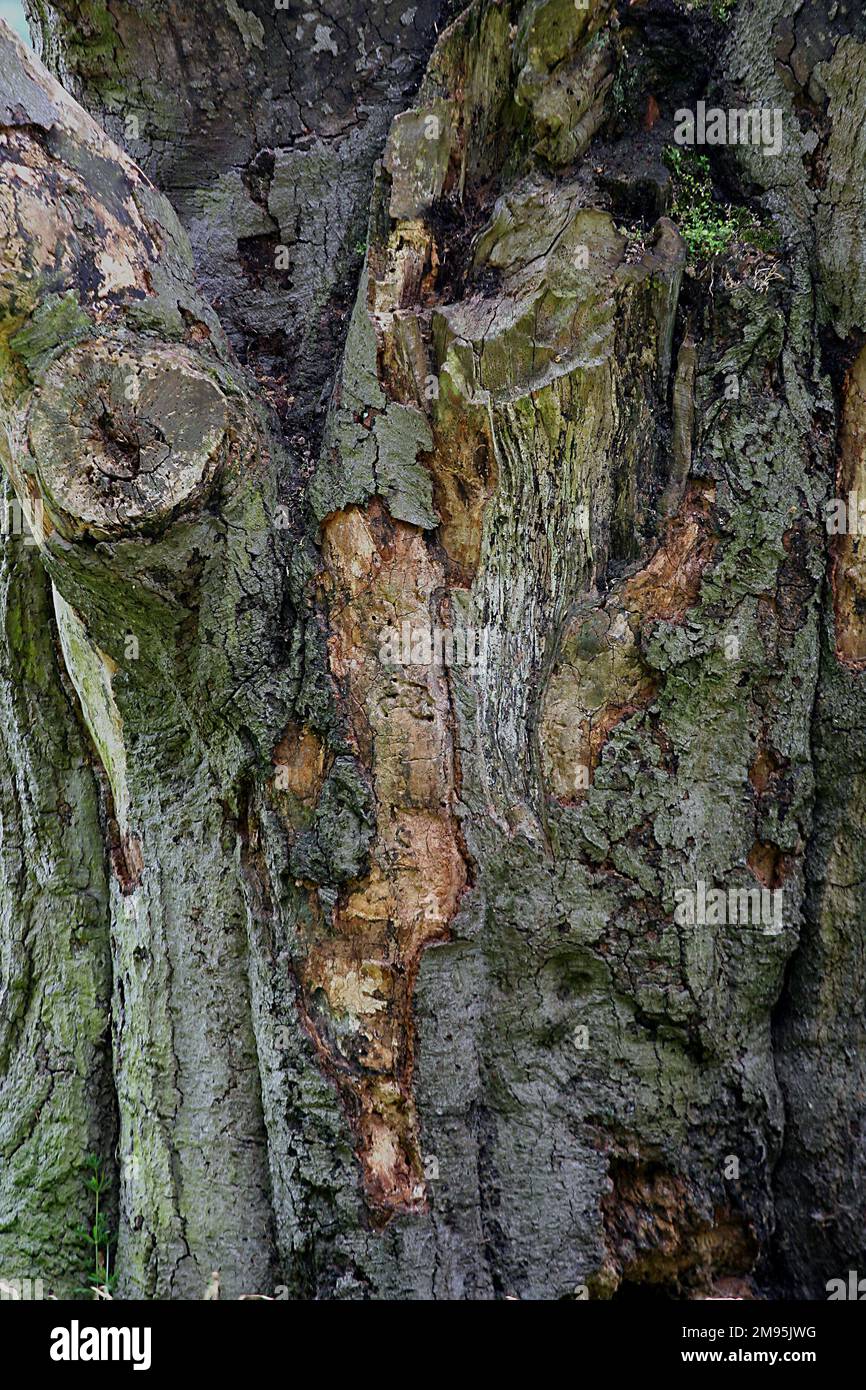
(430, 651)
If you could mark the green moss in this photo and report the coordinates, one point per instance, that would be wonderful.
(94, 40)
(58, 322)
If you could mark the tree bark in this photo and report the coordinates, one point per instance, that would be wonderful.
(432, 596)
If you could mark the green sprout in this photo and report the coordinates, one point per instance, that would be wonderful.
(97, 1237)
(709, 227)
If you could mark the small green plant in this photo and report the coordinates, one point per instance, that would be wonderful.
(709, 227)
(719, 9)
(627, 93)
(97, 1237)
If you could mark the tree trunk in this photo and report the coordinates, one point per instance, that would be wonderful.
(433, 740)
